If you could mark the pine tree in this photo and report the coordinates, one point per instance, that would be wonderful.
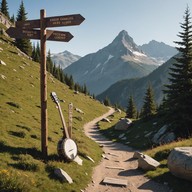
(131, 109)
(149, 106)
(106, 101)
(12, 19)
(4, 8)
(85, 89)
(179, 91)
(49, 62)
(23, 44)
(71, 82)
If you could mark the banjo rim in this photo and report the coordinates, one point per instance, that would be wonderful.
(61, 149)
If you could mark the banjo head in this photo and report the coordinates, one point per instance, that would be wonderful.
(67, 149)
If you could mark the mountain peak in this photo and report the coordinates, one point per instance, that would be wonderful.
(124, 36)
(125, 43)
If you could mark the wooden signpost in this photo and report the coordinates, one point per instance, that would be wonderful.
(36, 29)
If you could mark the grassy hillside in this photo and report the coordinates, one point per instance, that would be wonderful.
(21, 165)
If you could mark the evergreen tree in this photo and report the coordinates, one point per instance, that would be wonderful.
(12, 19)
(23, 44)
(179, 91)
(149, 106)
(106, 101)
(4, 8)
(71, 82)
(49, 62)
(85, 89)
(131, 109)
(37, 53)
(33, 52)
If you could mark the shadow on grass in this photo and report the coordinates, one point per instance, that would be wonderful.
(174, 183)
(35, 153)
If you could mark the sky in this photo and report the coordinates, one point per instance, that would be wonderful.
(144, 20)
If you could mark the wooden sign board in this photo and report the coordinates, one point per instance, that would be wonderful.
(58, 36)
(66, 20)
(57, 21)
(29, 24)
(23, 33)
(35, 34)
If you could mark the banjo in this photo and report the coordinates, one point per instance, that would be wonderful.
(66, 147)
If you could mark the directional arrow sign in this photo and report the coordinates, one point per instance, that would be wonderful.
(23, 33)
(57, 21)
(35, 34)
(66, 20)
(58, 36)
(29, 24)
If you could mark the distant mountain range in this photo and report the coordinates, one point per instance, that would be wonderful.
(121, 59)
(120, 91)
(159, 51)
(64, 59)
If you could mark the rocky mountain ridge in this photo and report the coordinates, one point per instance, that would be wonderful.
(121, 59)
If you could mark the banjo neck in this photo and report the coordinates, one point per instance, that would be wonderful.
(56, 100)
(65, 130)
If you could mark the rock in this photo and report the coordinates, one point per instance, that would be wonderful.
(78, 160)
(148, 134)
(63, 175)
(3, 76)
(79, 110)
(159, 134)
(137, 154)
(180, 162)
(167, 138)
(147, 163)
(89, 158)
(2, 63)
(122, 135)
(123, 124)
(22, 67)
(118, 110)
(106, 120)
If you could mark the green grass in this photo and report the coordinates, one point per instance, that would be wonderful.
(139, 137)
(20, 129)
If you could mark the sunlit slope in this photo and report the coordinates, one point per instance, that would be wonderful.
(20, 128)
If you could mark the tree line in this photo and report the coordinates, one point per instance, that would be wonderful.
(34, 51)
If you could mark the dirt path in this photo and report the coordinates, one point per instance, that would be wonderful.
(119, 156)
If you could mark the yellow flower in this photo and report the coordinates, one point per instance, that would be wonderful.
(4, 172)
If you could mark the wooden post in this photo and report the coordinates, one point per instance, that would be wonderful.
(43, 85)
(70, 119)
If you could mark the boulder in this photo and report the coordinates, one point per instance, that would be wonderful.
(123, 124)
(137, 154)
(63, 175)
(180, 162)
(167, 138)
(147, 163)
(159, 134)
